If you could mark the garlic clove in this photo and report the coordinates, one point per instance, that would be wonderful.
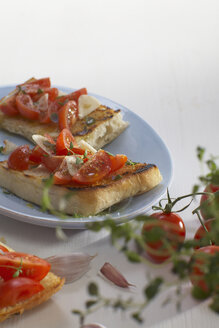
(93, 325)
(112, 274)
(70, 266)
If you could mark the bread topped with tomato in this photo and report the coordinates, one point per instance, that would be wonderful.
(26, 281)
(35, 107)
(84, 181)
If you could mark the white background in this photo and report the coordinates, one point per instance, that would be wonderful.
(159, 58)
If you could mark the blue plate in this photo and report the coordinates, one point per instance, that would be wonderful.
(139, 142)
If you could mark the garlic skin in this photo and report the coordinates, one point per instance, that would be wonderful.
(112, 274)
(70, 266)
(93, 325)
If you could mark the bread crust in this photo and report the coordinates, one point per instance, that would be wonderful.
(108, 124)
(81, 200)
(51, 284)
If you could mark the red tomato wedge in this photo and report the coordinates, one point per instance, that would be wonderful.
(62, 177)
(32, 266)
(117, 162)
(17, 290)
(68, 115)
(19, 158)
(93, 170)
(64, 142)
(36, 154)
(8, 106)
(52, 163)
(26, 107)
(3, 249)
(72, 96)
(36, 86)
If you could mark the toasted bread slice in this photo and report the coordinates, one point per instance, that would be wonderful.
(128, 181)
(51, 284)
(107, 125)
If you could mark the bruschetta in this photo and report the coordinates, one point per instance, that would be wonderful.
(85, 181)
(35, 107)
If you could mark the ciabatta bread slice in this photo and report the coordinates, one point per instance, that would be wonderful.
(51, 284)
(126, 182)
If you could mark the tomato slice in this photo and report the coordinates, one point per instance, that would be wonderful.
(17, 290)
(32, 266)
(73, 95)
(35, 87)
(68, 115)
(94, 170)
(26, 107)
(8, 106)
(3, 249)
(52, 163)
(19, 158)
(52, 92)
(64, 142)
(117, 162)
(62, 177)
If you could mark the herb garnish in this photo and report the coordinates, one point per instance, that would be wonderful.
(1, 149)
(39, 91)
(79, 160)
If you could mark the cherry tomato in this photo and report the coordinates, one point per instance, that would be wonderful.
(19, 158)
(62, 176)
(68, 115)
(72, 96)
(17, 290)
(32, 266)
(206, 211)
(52, 163)
(52, 92)
(36, 154)
(26, 107)
(35, 87)
(199, 261)
(174, 231)
(93, 170)
(64, 141)
(117, 162)
(8, 106)
(201, 232)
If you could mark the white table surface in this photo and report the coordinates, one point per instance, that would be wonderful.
(158, 58)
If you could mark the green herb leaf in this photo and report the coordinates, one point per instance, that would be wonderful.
(79, 160)
(90, 303)
(39, 91)
(1, 149)
(93, 289)
(153, 288)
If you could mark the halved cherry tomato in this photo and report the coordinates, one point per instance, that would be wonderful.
(174, 232)
(206, 210)
(93, 170)
(19, 158)
(36, 154)
(201, 232)
(64, 141)
(26, 107)
(52, 163)
(117, 162)
(68, 115)
(36, 86)
(199, 262)
(32, 266)
(8, 106)
(17, 290)
(72, 96)
(52, 92)
(62, 177)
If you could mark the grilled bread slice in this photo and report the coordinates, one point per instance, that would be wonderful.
(51, 284)
(128, 181)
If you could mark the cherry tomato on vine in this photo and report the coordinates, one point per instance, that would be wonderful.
(19, 158)
(30, 266)
(173, 232)
(201, 232)
(17, 290)
(200, 261)
(206, 210)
